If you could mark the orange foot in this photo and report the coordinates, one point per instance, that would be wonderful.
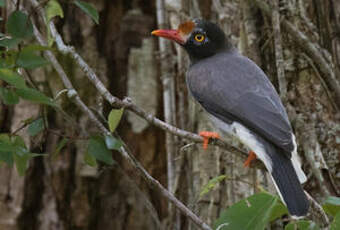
(206, 136)
(251, 157)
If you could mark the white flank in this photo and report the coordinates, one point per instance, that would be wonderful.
(248, 139)
(245, 136)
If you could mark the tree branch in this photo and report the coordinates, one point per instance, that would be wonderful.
(317, 213)
(72, 93)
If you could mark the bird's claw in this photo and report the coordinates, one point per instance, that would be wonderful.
(251, 157)
(206, 136)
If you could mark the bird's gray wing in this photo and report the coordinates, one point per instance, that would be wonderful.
(233, 88)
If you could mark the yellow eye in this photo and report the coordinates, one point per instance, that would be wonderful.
(199, 37)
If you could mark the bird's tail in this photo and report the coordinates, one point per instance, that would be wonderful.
(287, 182)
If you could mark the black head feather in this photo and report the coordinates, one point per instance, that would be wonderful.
(214, 40)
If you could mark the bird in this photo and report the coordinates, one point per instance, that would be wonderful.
(242, 102)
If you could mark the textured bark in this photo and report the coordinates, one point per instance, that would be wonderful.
(59, 192)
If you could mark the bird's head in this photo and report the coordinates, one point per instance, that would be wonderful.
(199, 38)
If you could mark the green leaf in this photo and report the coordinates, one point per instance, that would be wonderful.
(8, 96)
(279, 210)
(35, 96)
(114, 118)
(7, 147)
(50, 39)
(4, 137)
(332, 205)
(112, 143)
(19, 25)
(7, 62)
(5, 155)
(252, 213)
(12, 144)
(29, 60)
(36, 127)
(13, 149)
(97, 148)
(8, 59)
(90, 160)
(2, 3)
(21, 163)
(60, 146)
(211, 184)
(20, 146)
(53, 9)
(88, 9)
(21, 155)
(12, 78)
(10, 42)
(336, 222)
(35, 47)
(18, 141)
(302, 225)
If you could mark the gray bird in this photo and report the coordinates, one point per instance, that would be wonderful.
(243, 103)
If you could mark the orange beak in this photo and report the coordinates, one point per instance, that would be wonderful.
(173, 35)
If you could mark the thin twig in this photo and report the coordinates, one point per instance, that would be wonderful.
(20, 128)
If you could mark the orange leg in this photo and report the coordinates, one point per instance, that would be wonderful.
(251, 157)
(206, 136)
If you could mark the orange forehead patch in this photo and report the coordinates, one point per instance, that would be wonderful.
(186, 27)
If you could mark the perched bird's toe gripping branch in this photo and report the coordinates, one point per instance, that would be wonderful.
(251, 157)
(206, 136)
